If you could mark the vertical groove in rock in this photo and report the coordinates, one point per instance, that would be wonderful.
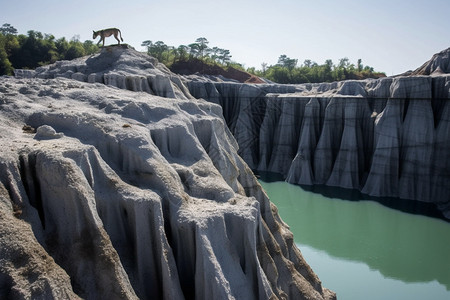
(329, 141)
(368, 135)
(301, 169)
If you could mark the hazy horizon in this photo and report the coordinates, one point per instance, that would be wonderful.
(390, 36)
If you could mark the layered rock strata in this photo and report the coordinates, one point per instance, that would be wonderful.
(112, 194)
(387, 137)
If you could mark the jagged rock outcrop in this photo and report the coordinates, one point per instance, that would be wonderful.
(384, 137)
(111, 194)
(439, 64)
(120, 66)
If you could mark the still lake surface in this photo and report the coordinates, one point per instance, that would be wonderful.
(364, 250)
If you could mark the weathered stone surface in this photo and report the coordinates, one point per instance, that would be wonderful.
(139, 197)
(439, 64)
(27, 271)
(119, 66)
(382, 137)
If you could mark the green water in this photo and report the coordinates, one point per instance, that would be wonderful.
(364, 250)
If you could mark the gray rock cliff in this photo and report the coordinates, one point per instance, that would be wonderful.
(385, 137)
(439, 64)
(107, 193)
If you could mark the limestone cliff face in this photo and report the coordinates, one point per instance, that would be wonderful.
(127, 195)
(385, 137)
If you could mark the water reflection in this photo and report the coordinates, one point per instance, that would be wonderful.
(402, 246)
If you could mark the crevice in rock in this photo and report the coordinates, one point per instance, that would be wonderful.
(27, 167)
(6, 284)
(405, 109)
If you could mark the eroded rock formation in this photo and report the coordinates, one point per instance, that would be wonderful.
(119, 66)
(111, 194)
(385, 137)
(148, 193)
(439, 64)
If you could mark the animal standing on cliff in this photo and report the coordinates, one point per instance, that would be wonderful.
(104, 33)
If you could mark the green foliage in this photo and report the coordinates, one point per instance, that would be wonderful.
(182, 52)
(5, 65)
(8, 44)
(279, 74)
(89, 47)
(287, 62)
(37, 49)
(7, 29)
(202, 45)
(75, 50)
(287, 71)
(235, 65)
(198, 50)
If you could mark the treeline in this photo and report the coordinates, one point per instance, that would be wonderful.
(19, 51)
(287, 71)
(200, 49)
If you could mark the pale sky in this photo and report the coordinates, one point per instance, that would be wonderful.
(392, 36)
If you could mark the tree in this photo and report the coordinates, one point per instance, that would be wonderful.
(224, 56)
(360, 65)
(278, 74)
(282, 59)
(287, 62)
(156, 49)
(215, 53)
(202, 46)
(368, 69)
(147, 44)
(183, 51)
(264, 68)
(48, 49)
(33, 50)
(285, 71)
(8, 29)
(10, 43)
(170, 51)
(194, 50)
(36, 49)
(90, 47)
(6, 67)
(176, 53)
(75, 50)
(62, 45)
(344, 63)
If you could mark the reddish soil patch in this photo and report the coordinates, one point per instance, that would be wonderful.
(193, 66)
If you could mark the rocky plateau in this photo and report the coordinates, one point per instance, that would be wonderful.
(117, 183)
